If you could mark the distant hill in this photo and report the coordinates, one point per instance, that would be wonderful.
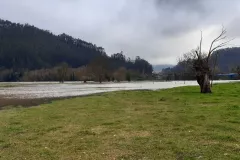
(228, 59)
(26, 47)
(158, 68)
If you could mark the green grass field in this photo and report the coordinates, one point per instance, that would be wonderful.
(177, 123)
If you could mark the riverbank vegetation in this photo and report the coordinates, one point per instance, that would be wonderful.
(175, 123)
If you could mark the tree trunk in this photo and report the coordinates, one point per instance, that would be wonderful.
(204, 83)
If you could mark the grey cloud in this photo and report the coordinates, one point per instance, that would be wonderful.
(186, 5)
(233, 27)
(158, 30)
(183, 16)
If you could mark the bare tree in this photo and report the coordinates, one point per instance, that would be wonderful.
(120, 74)
(187, 64)
(62, 72)
(201, 64)
(99, 67)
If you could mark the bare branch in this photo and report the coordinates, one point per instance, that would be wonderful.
(221, 45)
(197, 53)
(217, 39)
(200, 47)
(214, 67)
(221, 37)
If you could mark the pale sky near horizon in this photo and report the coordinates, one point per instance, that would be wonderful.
(156, 30)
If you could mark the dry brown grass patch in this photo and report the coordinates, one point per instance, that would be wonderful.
(132, 134)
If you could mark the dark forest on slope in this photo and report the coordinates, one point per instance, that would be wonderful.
(26, 51)
(228, 59)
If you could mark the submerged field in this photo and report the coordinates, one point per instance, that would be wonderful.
(39, 90)
(177, 123)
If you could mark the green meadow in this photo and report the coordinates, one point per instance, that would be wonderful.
(178, 123)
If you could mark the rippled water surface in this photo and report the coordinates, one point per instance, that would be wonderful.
(55, 90)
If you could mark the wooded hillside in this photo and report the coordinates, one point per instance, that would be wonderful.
(25, 48)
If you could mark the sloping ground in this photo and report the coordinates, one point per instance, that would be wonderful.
(177, 123)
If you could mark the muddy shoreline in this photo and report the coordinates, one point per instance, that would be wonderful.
(6, 103)
(16, 102)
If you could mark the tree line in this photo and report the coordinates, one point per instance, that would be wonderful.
(26, 51)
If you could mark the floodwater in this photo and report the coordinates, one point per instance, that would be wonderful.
(33, 90)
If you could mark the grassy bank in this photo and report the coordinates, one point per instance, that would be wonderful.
(177, 123)
(8, 85)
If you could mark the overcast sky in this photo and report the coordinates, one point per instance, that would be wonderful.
(157, 30)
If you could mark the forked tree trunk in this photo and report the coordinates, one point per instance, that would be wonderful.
(206, 88)
(201, 61)
(204, 83)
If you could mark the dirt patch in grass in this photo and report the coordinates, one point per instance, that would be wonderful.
(132, 134)
(98, 129)
(6, 102)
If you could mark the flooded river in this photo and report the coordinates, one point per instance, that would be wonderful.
(33, 90)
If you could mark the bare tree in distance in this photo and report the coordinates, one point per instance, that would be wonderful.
(200, 61)
(120, 74)
(62, 72)
(99, 67)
